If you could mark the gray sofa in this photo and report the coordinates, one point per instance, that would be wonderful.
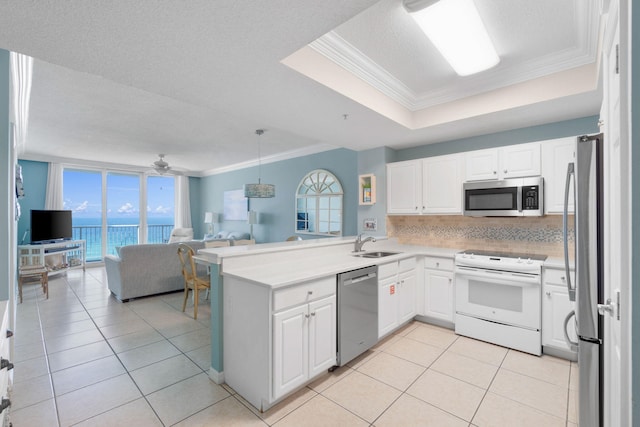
(142, 270)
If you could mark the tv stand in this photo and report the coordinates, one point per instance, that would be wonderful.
(57, 257)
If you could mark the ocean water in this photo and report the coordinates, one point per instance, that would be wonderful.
(120, 232)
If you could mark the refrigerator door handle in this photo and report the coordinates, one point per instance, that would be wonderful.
(565, 230)
(573, 346)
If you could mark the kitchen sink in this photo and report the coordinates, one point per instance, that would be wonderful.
(376, 254)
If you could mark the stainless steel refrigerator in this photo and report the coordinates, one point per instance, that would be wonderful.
(587, 291)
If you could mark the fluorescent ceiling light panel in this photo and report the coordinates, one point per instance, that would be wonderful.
(455, 28)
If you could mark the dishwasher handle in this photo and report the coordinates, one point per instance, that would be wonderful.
(360, 278)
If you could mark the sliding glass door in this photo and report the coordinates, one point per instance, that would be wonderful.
(113, 209)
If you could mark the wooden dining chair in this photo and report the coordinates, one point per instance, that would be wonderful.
(191, 279)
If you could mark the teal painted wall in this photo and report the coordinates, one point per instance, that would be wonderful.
(374, 162)
(196, 207)
(499, 139)
(635, 207)
(6, 186)
(276, 215)
(34, 175)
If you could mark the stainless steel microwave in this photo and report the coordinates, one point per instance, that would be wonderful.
(507, 197)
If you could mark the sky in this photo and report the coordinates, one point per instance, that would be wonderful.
(83, 195)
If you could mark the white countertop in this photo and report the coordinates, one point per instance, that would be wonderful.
(282, 264)
(286, 263)
(554, 262)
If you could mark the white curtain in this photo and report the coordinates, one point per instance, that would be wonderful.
(183, 205)
(21, 77)
(53, 198)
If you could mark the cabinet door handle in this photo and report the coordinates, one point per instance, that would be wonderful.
(313, 313)
(437, 265)
(9, 333)
(4, 363)
(306, 315)
(495, 172)
(310, 292)
(548, 293)
(4, 404)
(450, 281)
(505, 171)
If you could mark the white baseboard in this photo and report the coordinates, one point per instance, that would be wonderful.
(215, 376)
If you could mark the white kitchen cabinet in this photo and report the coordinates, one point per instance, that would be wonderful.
(396, 294)
(425, 186)
(406, 296)
(304, 344)
(277, 340)
(387, 307)
(442, 184)
(404, 187)
(556, 156)
(512, 161)
(439, 289)
(555, 308)
(6, 373)
(481, 164)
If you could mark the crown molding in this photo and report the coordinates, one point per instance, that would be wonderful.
(306, 151)
(340, 51)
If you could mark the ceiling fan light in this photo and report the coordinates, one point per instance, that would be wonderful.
(456, 30)
(259, 191)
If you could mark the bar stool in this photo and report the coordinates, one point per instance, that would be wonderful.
(38, 272)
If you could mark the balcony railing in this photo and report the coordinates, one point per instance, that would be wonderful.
(118, 235)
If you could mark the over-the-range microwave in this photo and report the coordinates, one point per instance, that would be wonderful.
(507, 197)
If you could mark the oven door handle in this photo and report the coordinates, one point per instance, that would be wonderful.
(503, 277)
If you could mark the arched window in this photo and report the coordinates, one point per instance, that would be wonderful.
(319, 204)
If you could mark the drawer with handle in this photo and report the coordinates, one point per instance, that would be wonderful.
(558, 277)
(303, 293)
(435, 263)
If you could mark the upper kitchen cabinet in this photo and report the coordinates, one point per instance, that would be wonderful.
(512, 161)
(404, 187)
(442, 184)
(425, 186)
(556, 156)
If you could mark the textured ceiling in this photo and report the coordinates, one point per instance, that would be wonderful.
(119, 82)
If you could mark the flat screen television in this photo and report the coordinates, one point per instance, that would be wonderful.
(50, 225)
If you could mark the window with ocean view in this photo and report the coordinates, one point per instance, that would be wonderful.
(107, 210)
(123, 211)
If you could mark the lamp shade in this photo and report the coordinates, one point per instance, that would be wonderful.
(259, 191)
(208, 217)
(216, 218)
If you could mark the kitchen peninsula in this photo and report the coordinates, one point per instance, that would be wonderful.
(251, 286)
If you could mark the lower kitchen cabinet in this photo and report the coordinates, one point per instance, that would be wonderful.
(396, 294)
(439, 289)
(277, 340)
(6, 366)
(555, 308)
(304, 344)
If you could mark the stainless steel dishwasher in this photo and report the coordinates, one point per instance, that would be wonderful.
(357, 312)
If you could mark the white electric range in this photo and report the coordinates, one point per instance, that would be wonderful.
(498, 298)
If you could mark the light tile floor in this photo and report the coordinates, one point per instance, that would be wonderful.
(83, 358)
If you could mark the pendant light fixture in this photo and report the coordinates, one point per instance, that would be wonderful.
(259, 190)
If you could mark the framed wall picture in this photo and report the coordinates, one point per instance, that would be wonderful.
(235, 205)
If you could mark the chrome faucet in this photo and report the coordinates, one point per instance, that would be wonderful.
(359, 242)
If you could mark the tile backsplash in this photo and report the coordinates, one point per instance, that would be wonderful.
(532, 235)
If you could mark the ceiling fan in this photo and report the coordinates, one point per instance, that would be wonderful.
(161, 167)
